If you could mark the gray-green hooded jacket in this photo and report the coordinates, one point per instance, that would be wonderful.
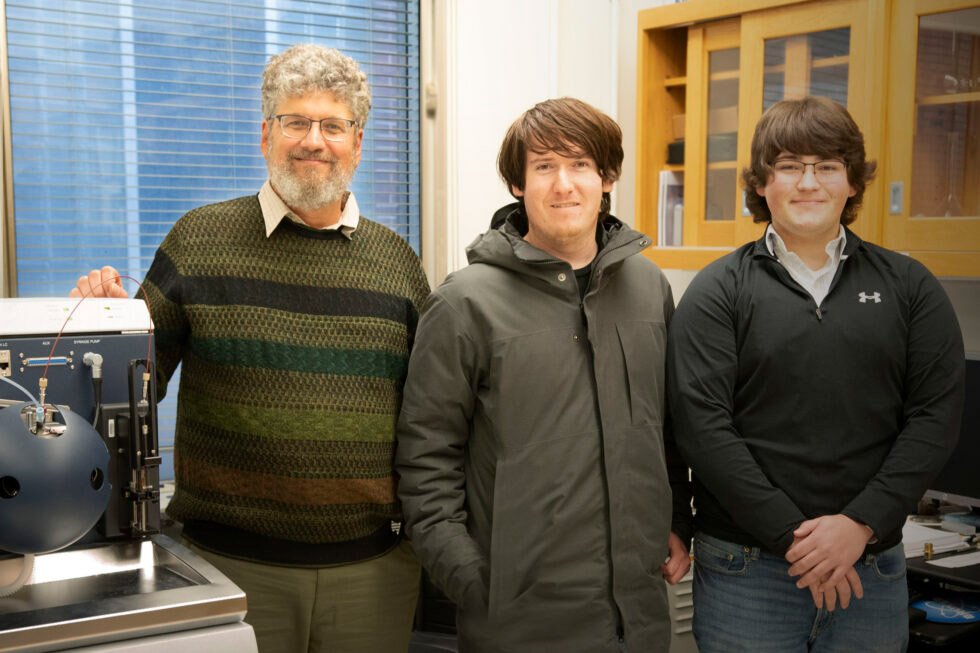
(531, 451)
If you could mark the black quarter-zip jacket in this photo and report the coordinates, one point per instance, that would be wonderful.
(788, 411)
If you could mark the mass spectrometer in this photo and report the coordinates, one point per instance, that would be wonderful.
(83, 564)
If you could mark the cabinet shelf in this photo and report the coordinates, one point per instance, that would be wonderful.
(722, 76)
(948, 98)
(675, 81)
(830, 62)
(826, 62)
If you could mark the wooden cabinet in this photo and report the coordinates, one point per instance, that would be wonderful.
(716, 65)
(933, 164)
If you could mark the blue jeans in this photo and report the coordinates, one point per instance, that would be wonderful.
(745, 600)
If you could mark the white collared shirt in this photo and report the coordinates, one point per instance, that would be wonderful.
(274, 210)
(815, 282)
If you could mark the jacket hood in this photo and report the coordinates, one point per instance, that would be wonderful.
(504, 245)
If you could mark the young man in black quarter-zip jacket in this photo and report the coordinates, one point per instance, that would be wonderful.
(816, 387)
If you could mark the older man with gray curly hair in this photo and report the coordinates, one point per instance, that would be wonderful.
(293, 316)
(303, 76)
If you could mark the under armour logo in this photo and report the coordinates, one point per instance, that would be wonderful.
(864, 297)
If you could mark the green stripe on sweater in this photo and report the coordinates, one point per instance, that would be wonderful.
(300, 358)
(270, 422)
(304, 458)
(288, 389)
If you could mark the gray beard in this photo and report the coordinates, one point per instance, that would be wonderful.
(310, 194)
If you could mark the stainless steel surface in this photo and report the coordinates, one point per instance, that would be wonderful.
(228, 638)
(115, 591)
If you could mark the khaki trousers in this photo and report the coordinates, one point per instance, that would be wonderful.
(362, 607)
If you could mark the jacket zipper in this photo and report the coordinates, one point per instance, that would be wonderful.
(833, 284)
(786, 277)
(620, 627)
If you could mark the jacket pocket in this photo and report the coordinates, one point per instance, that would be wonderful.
(644, 346)
(547, 546)
(502, 572)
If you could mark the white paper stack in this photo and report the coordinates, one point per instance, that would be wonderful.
(915, 536)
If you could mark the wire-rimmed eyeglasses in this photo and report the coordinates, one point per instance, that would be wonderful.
(828, 169)
(332, 129)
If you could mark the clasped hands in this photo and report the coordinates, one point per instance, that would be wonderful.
(823, 554)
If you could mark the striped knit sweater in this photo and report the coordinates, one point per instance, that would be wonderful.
(294, 351)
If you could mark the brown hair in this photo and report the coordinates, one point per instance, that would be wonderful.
(568, 127)
(811, 125)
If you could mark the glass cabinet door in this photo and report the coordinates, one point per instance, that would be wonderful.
(713, 97)
(805, 50)
(947, 134)
(722, 135)
(815, 63)
(934, 170)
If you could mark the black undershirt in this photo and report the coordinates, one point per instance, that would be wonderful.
(584, 275)
(582, 279)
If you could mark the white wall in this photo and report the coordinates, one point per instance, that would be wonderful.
(626, 98)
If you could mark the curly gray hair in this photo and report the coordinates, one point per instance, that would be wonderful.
(307, 67)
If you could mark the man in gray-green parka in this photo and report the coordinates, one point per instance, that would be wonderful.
(539, 482)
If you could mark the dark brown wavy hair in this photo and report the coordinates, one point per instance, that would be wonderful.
(810, 125)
